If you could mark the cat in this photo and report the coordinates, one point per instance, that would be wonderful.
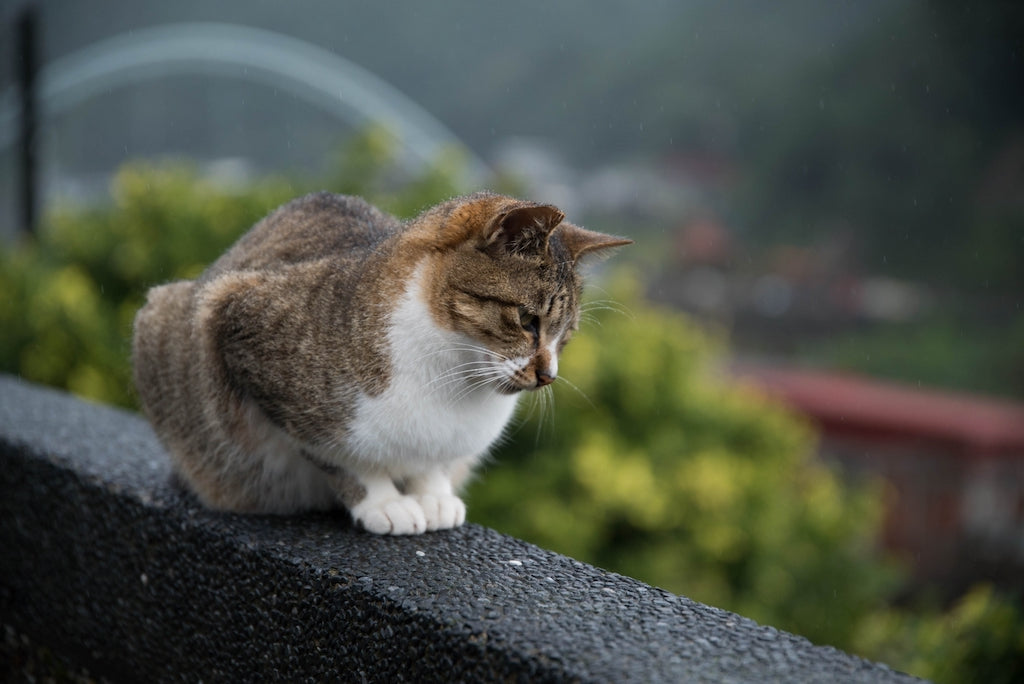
(337, 356)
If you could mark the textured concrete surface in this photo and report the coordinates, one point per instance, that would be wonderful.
(102, 558)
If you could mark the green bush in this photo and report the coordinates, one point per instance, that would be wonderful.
(946, 350)
(71, 294)
(980, 639)
(652, 465)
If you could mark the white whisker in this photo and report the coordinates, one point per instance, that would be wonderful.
(576, 389)
(473, 376)
(606, 305)
(477, 384)
(546, 419)
(465, 347)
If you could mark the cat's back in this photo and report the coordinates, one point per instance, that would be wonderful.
(309, 228)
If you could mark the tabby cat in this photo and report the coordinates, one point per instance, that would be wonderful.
(335, 355)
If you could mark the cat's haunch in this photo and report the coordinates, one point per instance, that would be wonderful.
(337, 356)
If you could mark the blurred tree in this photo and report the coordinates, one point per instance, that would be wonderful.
(70, 296)
(896, 138)
(935, 352)
(987, 39)
(980, 639)
(366, 167)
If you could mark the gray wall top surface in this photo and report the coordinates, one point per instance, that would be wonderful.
(106, 559)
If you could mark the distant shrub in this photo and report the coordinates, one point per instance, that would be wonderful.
(980, 639)
(70, 295)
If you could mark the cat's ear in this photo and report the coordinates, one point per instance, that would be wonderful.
(582, 242)
(524, 230)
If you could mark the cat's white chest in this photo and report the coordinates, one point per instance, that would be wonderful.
(430, 414)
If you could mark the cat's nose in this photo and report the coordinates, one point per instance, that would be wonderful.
(543, 379)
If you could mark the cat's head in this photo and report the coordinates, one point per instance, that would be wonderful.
(505, 278)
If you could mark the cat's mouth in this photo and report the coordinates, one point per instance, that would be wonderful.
(522, 374)
(508, 387)
(522, 381)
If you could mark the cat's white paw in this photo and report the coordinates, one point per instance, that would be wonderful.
(401, 515)
(442, 511)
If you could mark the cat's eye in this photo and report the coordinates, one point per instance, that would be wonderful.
(529, 321)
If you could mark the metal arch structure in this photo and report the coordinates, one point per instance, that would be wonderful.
(307, 71)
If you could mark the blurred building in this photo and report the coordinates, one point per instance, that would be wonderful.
(953, 464)
(787, 296)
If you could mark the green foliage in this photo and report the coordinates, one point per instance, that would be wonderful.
(904, 137)
(940, 352)
(366, 167)
(981, 639)
(72, 293)
(672, 475)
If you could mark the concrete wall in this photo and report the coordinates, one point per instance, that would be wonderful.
(106, 562)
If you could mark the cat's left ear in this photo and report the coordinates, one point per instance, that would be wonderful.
(523, 230)
(582, 242)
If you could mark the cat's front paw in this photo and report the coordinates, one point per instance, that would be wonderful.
(401, 515)
(442, 511)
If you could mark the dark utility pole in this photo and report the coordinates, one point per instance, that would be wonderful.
(28, 67)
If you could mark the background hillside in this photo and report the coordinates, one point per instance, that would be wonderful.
(899, 122)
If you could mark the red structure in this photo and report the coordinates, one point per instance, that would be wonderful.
(954, 463)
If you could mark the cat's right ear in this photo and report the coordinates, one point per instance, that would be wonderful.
(523, 230)
(581, 242)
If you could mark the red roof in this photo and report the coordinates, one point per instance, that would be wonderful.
(852, 405)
